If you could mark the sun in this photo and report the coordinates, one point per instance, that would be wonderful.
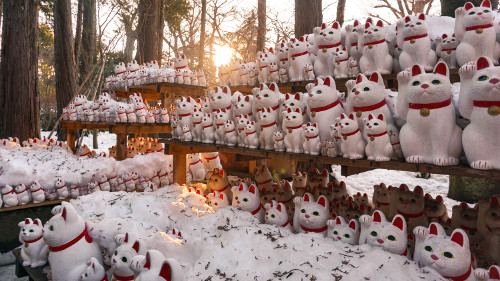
(223, 55)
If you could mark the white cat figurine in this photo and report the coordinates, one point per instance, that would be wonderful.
(327, 39)
(220, 118)
(446, 49)
(375, 51)
(62, 190)
(298, 56)
(351, 41)
(279, 143)
(378, 147)
(312, 144)
(22, 194)
(284, 75)
(268, 125)
(311, 216)
(34, 250)
(339, 230)
(217, 200)
(292, 125)
(263, 61)
(353, 145)
(196, 167)
(276, 214)
(155, 267)
(416, 44)
(252, 137)
(211, 161)
(208, 134)
(390, 236)
(94, 272)
(37, 192)
(128, 248)
(248, 199)
(309, 72)
(341, 63)
(230, 133)
(197, 131)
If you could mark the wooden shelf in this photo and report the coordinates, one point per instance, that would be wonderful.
(32, 205)
(177, 147)
(156, 91)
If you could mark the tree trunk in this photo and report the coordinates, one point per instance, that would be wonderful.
(161, 27)
(261, 26)
(64, 63)
(147, 37)
(131, 36)
(308, 14)
(89, 30)
(78, 34)
(201, 51)
(19, 100)
(448, 7)
(340, 12)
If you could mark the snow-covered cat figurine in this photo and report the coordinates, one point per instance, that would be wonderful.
(62, 190)
(34, 250)
(339, 230)
(292, 125)
(341, 63)
(217, 200)
(375, 51)
(128, 248)
(69, 243)
(22, 194)
(312, 144)
(37, 192)
(430, 134)
(94, 272)
(208, 134)
(248, 199)
(298, 56)
(390, 236)
(479, 101)
(378, 145)
(155, 267)
(353, 145)
(311, 216)
(474, 30)
(446, 49)
(416, 44)
(328, 39)
(268, 125)
(276, 214)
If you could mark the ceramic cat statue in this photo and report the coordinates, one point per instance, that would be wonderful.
(480, 103)
(276, 214)
(446, 49)
(268, 97)
(220, 118)
(268, 125)
(339, 230)
(241, 122)
(208, 134)
(197, 131)
(220, 98)
(62, 190)
(69, 243)
(293, 101)
(328, 39)
(474, 30)
(298, 56)
(382, 199)
(128, 248)
(234, 68)
(94, 272)
(22, 194)
(196, 166)
(34, 250)
(299, 184)
(283, 73)
(341, 63)
(274, 72)
(351, 40)
(491, 274)
(184, 109)
(416, 44)
(425, 102)
(248, 199)
(217, 200)
(324, 105)
(155, 267)
(263, 61)
(292, 125)
(409, 204)
(335, 136)
(230, 133)
(211, 161)
(375, 51)
(352, 67)
(37, 192)
(312, 144)
(353, 145)
(390, 236)
(217, 181)
(186, 133)
(252, 137)
(378, 145)
(309, 72)
(311, 216)
(243, 105)
(279, 140)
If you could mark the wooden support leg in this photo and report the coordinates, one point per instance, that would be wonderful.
(121, 146)
(71, 138)
(164, 100)
(180, 168)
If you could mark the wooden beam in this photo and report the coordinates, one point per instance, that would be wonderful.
(121, 146)
(135, 128)
(179, 168)
(32, 205)
(71, 139)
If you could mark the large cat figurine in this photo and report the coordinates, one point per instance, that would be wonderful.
(479, 101)
(267, 97)
(327, 39)
(324, 105)
(378, 145)
(339, 230)
(276, 214)
(220, 98)
(248, 199)
(311, 216)
(474, 30)
(298, 56)
(292, 126)
(34, 250)
(128, 248)
(416, 44)
(430, 134)
(69, 243)
(375, 51)
(155, 267)
(353, 145)
(268, 125)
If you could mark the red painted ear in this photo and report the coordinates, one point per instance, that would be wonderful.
(221, 172)
(407, 19)
(352, 225)
(370, 117)
(261, 87)
(63, 214)
(494, 201)
(304, 174)
(198, 192)
(418, 190)
(433, 229)
(439, 198)
(444, 36)
(314, 125)
(327, 81)
(27, 221)
(136, 246)
(486, 3)
(36, 222)
(377, 217)
(380, 23)
(264, 190)
(316, 82)
(359, 79)
(494, 274)
(374, 77)
(252, 189)
(241, 187)
(351, 116)
(369, 20)
(289, 110)
(279, 207)
(482, 63)
(306, 198)
(323, 25)
(166, 271)
(464, 205)
(297, 97)
(421, 17)
(126, 238)
(272, 87)
(322, 201)
(247, 98)
(428, 196)
(221, 196)
(367, 25)
(381, 117)
(337, 221)
(335, 25)
(297, 110)
(458, 238)
(416, 70)
(468, 6)
(148, 261)
(302, 39)
(398, 222)
(324, 172)
(356, 23)
(441, 68)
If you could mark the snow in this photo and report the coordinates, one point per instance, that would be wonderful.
(105, 140)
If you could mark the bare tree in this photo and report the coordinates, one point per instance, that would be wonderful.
(308, 14)
(147, 31)
(89, 32)
(402, 8)
(340, 12)
(19, 100)
(201, 55)
(261, 30)
(78, 33)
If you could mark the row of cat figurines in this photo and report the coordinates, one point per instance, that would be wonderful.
(333, 51)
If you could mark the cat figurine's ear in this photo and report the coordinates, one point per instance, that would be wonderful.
(354, 225)
(399, 222)
(68, 212)
(137, 246)
(166, 271)
(421, 17)
(378, 216)
(417, 70)
(251, 189)
(377, 78)
(483, 62)
(460, 237)
(442, 68)
(486, 3)
(307, 197)
(322, 201)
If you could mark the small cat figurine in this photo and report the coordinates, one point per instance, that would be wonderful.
(103, 183)
(196, 167)
(267, 196)
(309, 72)
(491, 274)
(351, 41)
(409, 204)
(235, 69)
(473, 29)
(94, 272)
(241, 122)
(382, 199)
(312, 144)
(299, 184)
(263, 61)
(252, 137)
(268, 125)
(155, 267)
(221, 116)
(124, 254)
(276, 214)
(211, 161)
(299, 57)
(446, 49)
(335, 135)
(292, 125)
(390, 236)
(220, 98)
(448, 255)
(62, 190)
(339, 230)
(273, 72)
(217, 181)
(318, 179)
(243, 105)
(230, 133)
(37, 192)
(22, 194)
(248, 199)
(331, 148)
(327, 38)
(186, 133)
(352, 67)
(197, 131)
(427, 116)
(353, 145)
(341, 63)
(488, 225)
(202, 81)
(34, 250)
(208, 134)
(378, 145)
(293, 102)
(416, 44)
(435, 208)
(279, 143)
(283, 75)
(217, 200)
(375, 51)
(264, 178)
(466, 218)
(311, 216)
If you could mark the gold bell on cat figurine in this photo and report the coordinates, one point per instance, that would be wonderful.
(424, 112)
(359, 113)
(370, 46)
(493, 110)
(372, 138)
(345, 137)
(413, 41)
(313, 114)
(325, 50)
(479, 30)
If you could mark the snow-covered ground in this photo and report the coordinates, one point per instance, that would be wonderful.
(105, 140)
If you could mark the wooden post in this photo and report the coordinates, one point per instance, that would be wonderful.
(71, 138)
(164, 100)
(121, 146)
(179, 168)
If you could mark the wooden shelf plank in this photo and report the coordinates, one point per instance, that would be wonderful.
(32, 205)
(153, 91)
(177, 146)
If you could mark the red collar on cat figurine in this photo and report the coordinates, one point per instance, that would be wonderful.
(326, 107)
(296, 127)
(212, 158)
(375, 42)
(85, 234)
(370, 107)
(199, 160)
(382, 203)
(36, 190)
(317, 230)
(441, 216)
(181, 67)
(227, 186)
(329, 46)
(63, 185)
(474, 27)
(313, 137)
(486, 103)
(435, 105)
(12, 191)
(462, 277)
(268, 125)
(411, 215)
(300, 54)
(264, 182)
(123, 278)
(276, 107)
(415, 37)
(351, 133)
(377, 135)
(34, 240)
(185, 115)
(257, 210)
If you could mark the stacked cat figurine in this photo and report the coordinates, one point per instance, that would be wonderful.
(416, 44)
(34, 250)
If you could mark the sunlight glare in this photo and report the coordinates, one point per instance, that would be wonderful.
(223, 55)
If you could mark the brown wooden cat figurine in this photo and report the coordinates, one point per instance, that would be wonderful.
(299, 184)
(217, 181)
(435, 207)
(352, 211)
(409, 204)
(362, 199)
(318, 179)
(382, 199)
(264, 178)
(465, 218)
(488, 224)
(285, 196)
(266, 195)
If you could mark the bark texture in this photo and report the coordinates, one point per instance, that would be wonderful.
(308, 14)
(261, 24)
(147, 37)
